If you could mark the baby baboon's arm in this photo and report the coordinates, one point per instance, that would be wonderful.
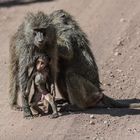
(29, 83)
(53, 90)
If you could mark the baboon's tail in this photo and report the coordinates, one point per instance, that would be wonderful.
(110, 102)
(13, 72)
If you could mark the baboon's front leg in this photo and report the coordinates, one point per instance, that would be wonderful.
(23, 79)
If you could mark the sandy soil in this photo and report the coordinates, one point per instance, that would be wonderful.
(113, 28)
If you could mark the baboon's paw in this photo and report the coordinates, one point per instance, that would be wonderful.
(55, 115)
(17, 108)
(29, 117)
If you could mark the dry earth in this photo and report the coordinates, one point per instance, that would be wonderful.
(113, 28)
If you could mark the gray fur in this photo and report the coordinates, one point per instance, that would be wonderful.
(78, 78)
(78, 72)
(22, 55)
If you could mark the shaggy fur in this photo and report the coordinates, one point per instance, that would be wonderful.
(22, 55)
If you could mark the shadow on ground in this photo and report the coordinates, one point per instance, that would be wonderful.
(10, 3)
(111, 111)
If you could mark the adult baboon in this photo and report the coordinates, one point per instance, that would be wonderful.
(78, 78)
(30, 38)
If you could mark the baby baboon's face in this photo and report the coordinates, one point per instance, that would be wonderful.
(41, 64)
(40, 37)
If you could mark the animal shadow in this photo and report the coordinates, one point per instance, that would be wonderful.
(10, 3)
(104, 110)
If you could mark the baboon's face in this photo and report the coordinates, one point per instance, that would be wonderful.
(40, 37)
(41, 64)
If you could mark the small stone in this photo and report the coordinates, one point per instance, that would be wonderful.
(118, 70)
(120, 88)
(95, 138)
(122, 20)
(92, 122)
(120, 42)
(104, 84)
(109, 84)
(129, 129)
(131, 69)
(92, 117)
(117, 53)
(112, 75)
(105, 122)
(87, 137)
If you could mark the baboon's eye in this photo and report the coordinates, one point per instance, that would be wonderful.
(34, 33)
(63, 16)
(44, 33)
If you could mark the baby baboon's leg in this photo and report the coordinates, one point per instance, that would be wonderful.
(23, 80)
(82, 93)
(50, 99)
(35, 107)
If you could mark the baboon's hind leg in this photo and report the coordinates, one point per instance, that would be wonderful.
(82, 93)
(61, 84)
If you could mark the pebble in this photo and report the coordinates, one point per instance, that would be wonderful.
(131, 69)
(12, 124)
(105, 122)
(120, 41)
(117, 53)
(92, 122)
(87, 137)
(120, 88)
(118, 70)
(95, 138)
(112, 75)
(109, 84)
(92, 117)
(122, 20)
(134, 130)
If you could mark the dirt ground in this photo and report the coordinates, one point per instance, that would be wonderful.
(113, 28)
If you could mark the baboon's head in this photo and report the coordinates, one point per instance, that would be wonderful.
(40, 37)
(44, 37)
(35, 26)
(62, 17)
(42, 62)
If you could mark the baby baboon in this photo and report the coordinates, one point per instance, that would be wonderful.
(31, 37)
(44, 89)
(78, 78)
